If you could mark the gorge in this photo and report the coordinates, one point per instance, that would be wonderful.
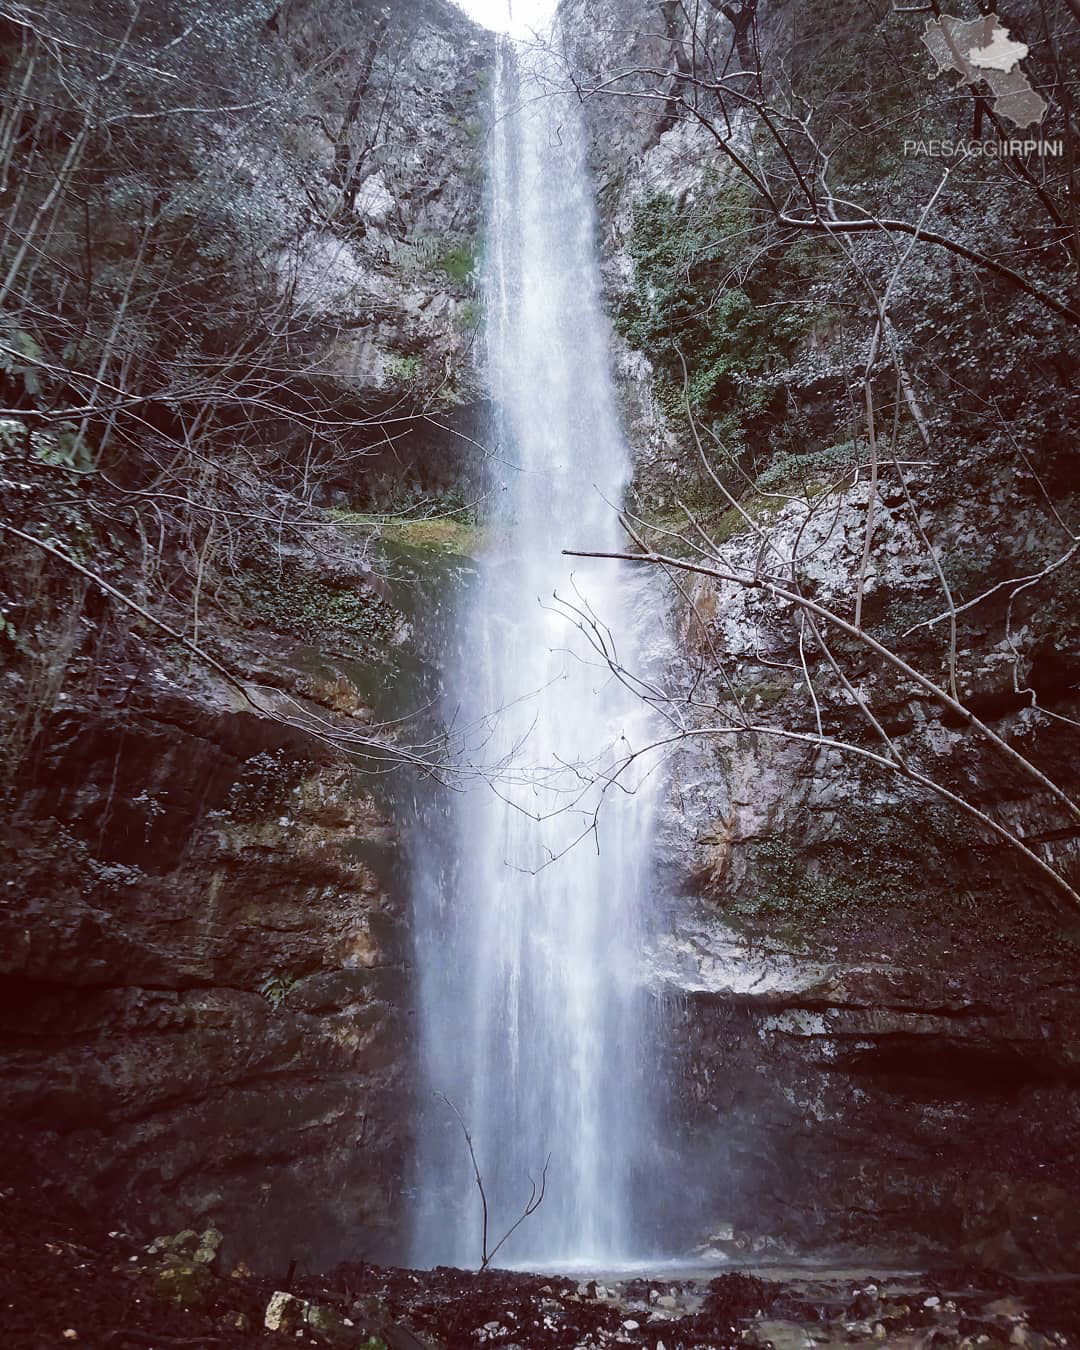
(339, 868)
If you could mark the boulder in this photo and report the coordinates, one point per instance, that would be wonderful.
(285, 1312)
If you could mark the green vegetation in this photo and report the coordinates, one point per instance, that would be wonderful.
(766, 694)
(811, 471)
(470, 317)
(734, 521)
(719, 522)
(441, 536)
(275, 989)
(21, 358)
(867, 860)
(695, 302)
(459, 261)
(293, 600)
(445, 533)
(785, 888)
(403, 369)
(146, 440)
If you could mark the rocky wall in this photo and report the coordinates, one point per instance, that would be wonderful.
(869, 999)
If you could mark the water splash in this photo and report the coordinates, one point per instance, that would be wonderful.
(530, 912)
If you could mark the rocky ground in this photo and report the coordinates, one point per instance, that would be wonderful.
(64, 1280)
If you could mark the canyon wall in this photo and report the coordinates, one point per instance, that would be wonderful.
(206, 984)
(872, 999)
(206, 989)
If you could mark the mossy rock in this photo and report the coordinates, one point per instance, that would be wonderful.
(207, 1250)
(297, 602)
(234, 1321)
(441, 536)
(187, 1283)
(285, 1312)
(330, 1325)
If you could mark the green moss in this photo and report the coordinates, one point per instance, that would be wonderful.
(469, 317)
(719, 525)
(760, 510)
(459, 261)
(443, 534)
(810, 471)
(734, 326)
(764, 695)
(294, 601)
(186, 1283)
(347, 516)
(402, 369)
(785, 889)
(873, 859)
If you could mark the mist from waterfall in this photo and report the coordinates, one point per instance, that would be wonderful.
(529, 906)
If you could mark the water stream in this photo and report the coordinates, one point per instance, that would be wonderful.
(530, 905)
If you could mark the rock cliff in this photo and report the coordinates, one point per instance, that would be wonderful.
(206, 996)
(872, 997)
(874, 1043)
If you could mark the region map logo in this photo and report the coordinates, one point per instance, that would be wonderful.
(983, 51)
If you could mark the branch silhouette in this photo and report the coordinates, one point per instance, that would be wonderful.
(536, 1194)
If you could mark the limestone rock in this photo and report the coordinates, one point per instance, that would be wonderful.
(284, 1312)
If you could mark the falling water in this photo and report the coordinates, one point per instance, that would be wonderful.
(534, 1022)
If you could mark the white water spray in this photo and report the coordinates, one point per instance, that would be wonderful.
(530, 920)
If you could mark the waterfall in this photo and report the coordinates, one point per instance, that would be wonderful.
(530, 904)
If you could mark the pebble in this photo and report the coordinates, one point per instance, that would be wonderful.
(665, 1301)
(234, 1321)
(932, 1302)
(630, 1325)
(71, 1334)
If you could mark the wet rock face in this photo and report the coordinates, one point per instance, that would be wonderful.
(871, 1002)
(218, 1029)
(877, 1022)
(838, 1105)
(204, 1002)
(392, 257)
